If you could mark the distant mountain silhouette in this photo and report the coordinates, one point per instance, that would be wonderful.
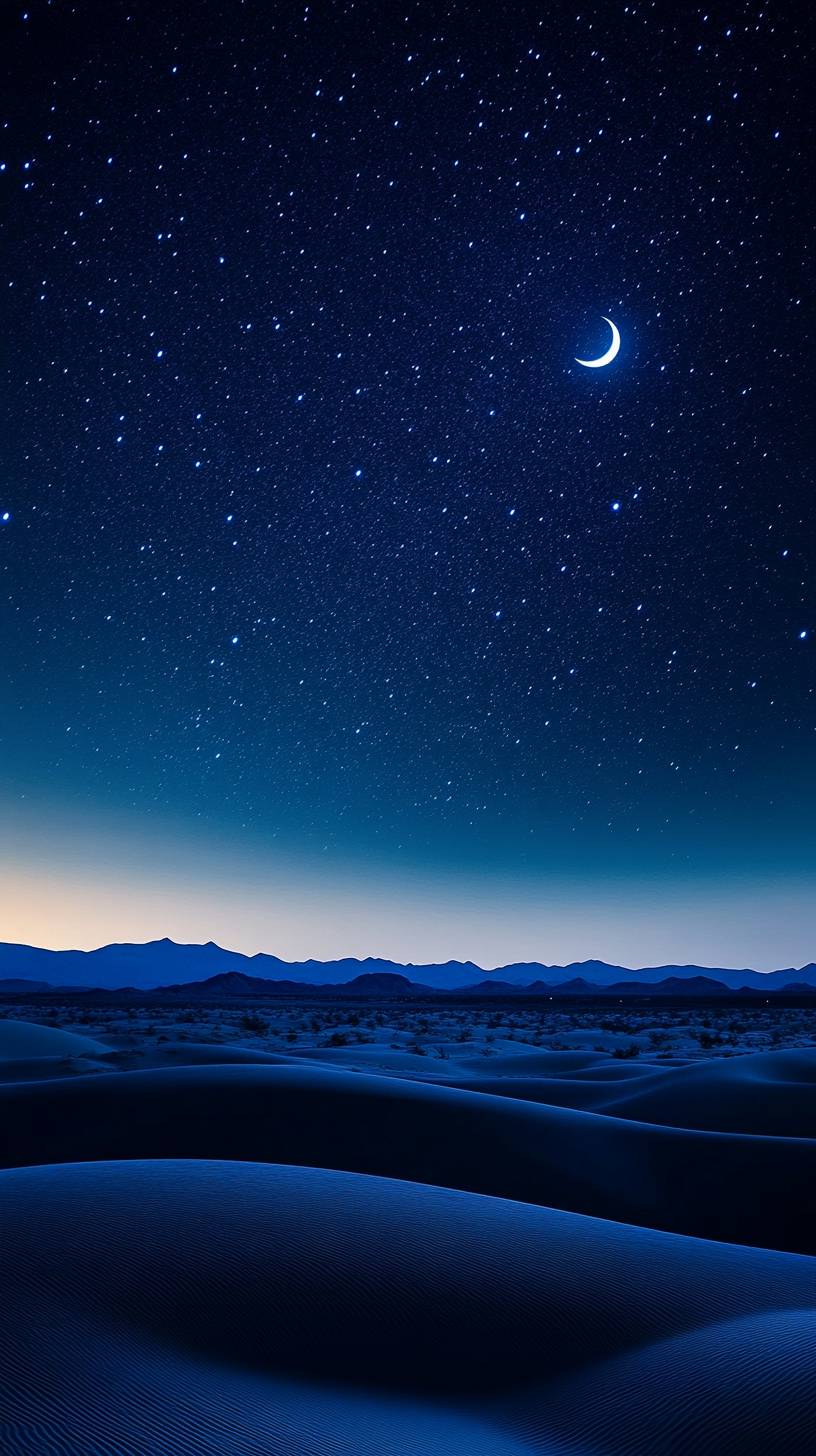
(672, 986)
(388, 983)
(12, 985)
(164, 963)
(234, 983)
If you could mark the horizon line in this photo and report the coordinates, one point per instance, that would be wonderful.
(362, 960)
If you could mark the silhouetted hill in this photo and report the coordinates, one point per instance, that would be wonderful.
(163, 963)
(234, 983)
(17, 985)
(672, 986)
(494, 988)
(20, 986)
(384, 983)
(230, 983)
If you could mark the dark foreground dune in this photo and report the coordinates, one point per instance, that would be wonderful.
(197, 1307)
(215, 1249)
(712, 1185)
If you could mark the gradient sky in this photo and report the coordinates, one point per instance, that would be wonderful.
(342, 610)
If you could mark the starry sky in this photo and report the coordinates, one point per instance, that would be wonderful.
(343, 611)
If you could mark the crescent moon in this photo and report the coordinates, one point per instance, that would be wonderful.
(610, 353)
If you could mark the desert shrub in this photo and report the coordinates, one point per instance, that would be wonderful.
(625, 1052)
(251, 1021)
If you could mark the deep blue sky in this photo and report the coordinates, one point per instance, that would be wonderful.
(318, 540)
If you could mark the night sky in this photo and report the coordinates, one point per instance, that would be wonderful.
(319, 551)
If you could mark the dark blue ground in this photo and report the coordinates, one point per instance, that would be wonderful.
(478, 1270)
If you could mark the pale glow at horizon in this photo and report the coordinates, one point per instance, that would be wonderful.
(58, 893)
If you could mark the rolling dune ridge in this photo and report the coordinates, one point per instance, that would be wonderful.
(215, 1249)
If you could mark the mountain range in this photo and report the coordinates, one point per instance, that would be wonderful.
(166, 964)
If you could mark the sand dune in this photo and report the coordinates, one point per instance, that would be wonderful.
(311, 1311)
(771, 1092)
(367, 1251)
(21, 1040)
(712, 1185)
